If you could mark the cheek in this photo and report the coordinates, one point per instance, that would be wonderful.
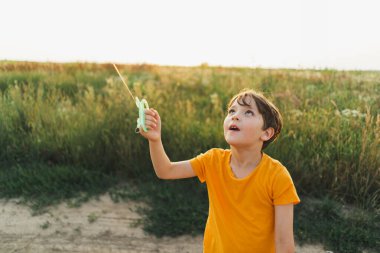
(225, 124)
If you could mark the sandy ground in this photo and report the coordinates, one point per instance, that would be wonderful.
(97, 226)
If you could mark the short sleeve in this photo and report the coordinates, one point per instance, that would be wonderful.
(284, 191)
(199, 164)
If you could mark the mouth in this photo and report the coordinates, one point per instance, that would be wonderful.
(234, 128)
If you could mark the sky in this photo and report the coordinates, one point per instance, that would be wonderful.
(268, 33)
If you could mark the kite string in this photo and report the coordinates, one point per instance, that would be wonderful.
(141, 105)
(122, 79)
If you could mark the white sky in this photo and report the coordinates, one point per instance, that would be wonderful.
(341, 34)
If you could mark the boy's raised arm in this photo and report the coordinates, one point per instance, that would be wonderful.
(164, 168)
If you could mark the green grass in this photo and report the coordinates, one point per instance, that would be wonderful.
(45, 225)
(92, 217)
(339, 227)
(67, 133)
(174, 207)
(40, 185)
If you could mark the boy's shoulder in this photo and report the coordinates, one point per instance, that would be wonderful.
(214, 155)
(273, 165)
(272, 160)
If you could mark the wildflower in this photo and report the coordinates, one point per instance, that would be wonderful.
(296, 112)
(353, 113)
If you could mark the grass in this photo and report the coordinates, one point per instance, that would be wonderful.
(339, 227)
(92, 217)
(39, 185)
(45, 225)
(66, 132)
(174, 207)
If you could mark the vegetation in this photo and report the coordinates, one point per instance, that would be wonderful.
(67, 131)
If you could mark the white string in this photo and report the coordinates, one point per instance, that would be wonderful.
(122, 79)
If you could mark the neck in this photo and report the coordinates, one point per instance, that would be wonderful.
(246, 157)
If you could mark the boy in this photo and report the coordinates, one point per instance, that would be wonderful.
(251, 195)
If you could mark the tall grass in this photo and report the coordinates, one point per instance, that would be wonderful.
(80, 114)
(69, 128)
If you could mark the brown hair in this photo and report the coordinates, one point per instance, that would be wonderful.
(271, 114)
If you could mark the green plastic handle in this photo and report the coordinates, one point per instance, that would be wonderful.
(142, 105)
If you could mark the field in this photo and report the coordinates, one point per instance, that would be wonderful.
(67, 133)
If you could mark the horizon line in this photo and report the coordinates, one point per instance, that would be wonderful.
(203, 64)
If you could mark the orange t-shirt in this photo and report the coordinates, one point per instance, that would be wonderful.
(241, 211)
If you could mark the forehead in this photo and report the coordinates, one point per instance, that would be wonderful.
(244, 101)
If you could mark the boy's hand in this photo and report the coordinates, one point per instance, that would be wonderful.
(153, 124)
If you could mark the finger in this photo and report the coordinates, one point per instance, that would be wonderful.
(154, 111)
(149, 112)
(150, 119)
(150, 124)
(156, 114)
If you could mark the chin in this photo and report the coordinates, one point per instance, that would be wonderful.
(238, 142)
(234, 142)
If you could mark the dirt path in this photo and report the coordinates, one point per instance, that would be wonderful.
(97, 226)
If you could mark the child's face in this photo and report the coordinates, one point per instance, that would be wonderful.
(243, 125)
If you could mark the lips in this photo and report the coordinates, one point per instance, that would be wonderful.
(234, 127)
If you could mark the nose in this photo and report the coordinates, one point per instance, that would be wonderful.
(235, 117)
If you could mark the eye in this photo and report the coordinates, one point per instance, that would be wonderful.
(230, 111)
(249, 112)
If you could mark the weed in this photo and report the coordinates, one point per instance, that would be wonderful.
(45, 225)
(92, 217)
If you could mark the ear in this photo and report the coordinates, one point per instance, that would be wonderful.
(267, 134)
